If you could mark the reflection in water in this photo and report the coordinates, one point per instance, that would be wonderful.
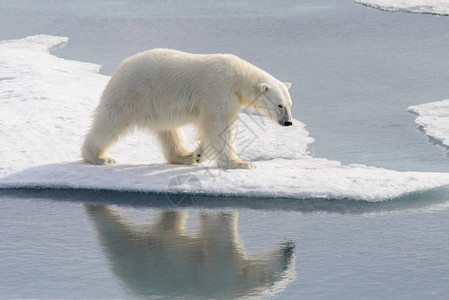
(162, 260)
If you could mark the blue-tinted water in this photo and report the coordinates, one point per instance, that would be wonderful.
(354, 70)
(81, 244)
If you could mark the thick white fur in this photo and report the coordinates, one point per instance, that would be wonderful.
(163, 90)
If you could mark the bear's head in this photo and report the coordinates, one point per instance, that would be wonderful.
(273, 100)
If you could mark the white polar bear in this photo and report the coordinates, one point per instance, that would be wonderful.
(163, 90)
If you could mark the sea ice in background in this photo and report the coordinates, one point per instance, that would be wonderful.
(433, 119)
(46, 107)
(438, 7)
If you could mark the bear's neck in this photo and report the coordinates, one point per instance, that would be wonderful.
(246, 81)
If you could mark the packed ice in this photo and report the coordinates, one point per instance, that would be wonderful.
(46, 108)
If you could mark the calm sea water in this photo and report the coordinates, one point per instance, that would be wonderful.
(354, 71)
(84, 244)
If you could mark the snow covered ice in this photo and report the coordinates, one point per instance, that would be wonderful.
(439, 7)
(46, 108)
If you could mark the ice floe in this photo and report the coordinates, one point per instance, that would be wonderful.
(46, 104)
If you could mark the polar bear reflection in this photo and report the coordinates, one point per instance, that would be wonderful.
(163, 260)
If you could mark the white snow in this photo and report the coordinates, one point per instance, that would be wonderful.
(433, 119)
(439, 7)
(46, 105)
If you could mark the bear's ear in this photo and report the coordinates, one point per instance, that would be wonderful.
(288, 84)
(263, 87)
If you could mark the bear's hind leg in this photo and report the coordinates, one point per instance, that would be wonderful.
(95, 147)
(104, 133)
(173, 148)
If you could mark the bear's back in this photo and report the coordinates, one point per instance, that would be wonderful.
(178, 63)
(164, 86)
(178, 72)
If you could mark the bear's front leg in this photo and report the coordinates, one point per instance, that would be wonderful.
(219, 145)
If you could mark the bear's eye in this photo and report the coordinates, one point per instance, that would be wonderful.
(280, 106)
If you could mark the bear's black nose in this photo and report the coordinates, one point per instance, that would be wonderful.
(288, 123)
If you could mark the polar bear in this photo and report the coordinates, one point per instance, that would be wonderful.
(163, 90)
